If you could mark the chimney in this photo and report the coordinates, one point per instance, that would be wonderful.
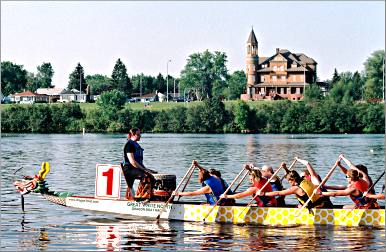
(277, 50)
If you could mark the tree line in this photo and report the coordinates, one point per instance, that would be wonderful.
(209, 116)
(205, 75)
(210, 67)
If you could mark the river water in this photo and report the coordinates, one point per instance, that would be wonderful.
(48, 227)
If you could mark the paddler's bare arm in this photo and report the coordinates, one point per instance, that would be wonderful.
(203, 190)
(345, 192)
(289, 191)
(352, 166)
(250, 191)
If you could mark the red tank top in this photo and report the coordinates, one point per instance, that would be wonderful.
(264, 200)
(362, 186)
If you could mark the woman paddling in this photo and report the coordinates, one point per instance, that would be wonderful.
(302, 189)
(257, 181)
(212, 187)
(355, 189)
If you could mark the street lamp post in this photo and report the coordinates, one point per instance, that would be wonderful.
(174, 96)
(80, 86)
(167, 80)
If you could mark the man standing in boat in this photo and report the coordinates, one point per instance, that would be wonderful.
(133, 167)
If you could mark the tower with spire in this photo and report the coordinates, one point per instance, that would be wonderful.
(252, 61)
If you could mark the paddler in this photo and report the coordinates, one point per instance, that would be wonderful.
(355, 189)
(257, 181)
(302, 189)
(212, 187)
(133, 167)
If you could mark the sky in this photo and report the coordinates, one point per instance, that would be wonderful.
(145, 35)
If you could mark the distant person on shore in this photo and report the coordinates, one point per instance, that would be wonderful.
(133, 167)
(212, 187)
(302, 189)
(267, 172)
(257, 181)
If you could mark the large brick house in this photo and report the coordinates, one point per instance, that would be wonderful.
(283, 75)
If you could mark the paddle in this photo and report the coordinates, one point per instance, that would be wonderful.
(172, 196)
(289, 169)
(241, 180)
(257, 194)
(226, 191)
(383, 173)
(321, 183)
(187, 182)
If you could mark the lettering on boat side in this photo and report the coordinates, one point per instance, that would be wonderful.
(84, 200)
(150, 207)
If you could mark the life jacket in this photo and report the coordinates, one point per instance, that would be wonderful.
(216, 187)
(278, 186)
(263, 201)
(316, 200)
(362, 186)
(138, 154)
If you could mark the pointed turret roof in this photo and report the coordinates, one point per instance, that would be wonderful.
(252, 38)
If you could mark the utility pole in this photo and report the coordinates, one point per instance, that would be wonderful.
(140, 85)
(167, 80)
(80, 85)
(174, 89)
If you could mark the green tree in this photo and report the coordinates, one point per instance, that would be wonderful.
(374, 67)
(98, 83)
(112, 100)
(312, 93)
(357, 86)
(77, 80)
(335, 78)
(213, 116)
(160, 84)
(32, 82)
(44, 75)
(236, 83)
(202, 71)
(13, 78)
(120, 80)
(242, 115)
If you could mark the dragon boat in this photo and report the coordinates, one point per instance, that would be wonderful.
(197, 212)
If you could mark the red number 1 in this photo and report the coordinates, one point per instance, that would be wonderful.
(109, 175)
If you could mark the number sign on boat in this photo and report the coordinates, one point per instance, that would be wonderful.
(108, 181)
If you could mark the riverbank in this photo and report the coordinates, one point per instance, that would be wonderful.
(209, 116)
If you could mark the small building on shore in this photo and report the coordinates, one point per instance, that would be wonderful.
(28, 97)
(284, 75)
(52, 93)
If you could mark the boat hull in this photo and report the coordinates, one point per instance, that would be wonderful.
(234, 214)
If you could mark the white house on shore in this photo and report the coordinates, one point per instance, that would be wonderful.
(28, 97)
(72, 95)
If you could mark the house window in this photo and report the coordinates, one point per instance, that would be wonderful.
(274, 78)
(274, 68)
(294, 77)
(262, 78)
(282, 68)
(283, 78)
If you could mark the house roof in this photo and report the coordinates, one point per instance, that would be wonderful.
(150, 95)
(27, 93)
(49, 91)
(252, 38)
(299, 59)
